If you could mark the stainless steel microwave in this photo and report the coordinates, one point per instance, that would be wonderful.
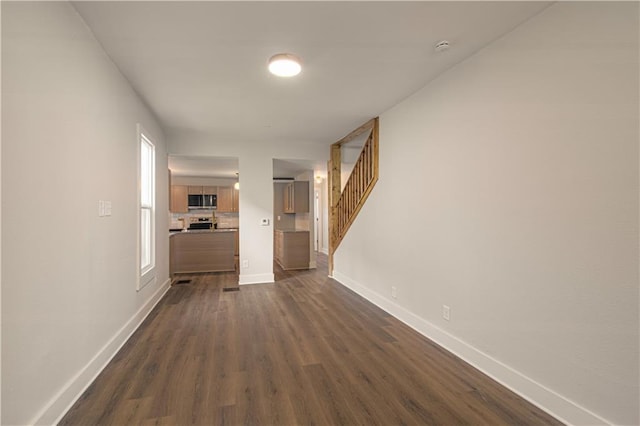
(206, 201)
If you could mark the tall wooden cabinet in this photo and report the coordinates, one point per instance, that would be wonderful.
(296, 197)
(179, 199)
(227, 199)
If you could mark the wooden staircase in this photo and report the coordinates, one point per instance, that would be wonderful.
(345, 204)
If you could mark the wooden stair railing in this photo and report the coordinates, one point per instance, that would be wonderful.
(345, 204)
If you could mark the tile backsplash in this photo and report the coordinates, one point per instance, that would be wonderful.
(225, 220)
(302, 221)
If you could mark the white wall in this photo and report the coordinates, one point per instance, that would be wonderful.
(69, 138)
(202, 180)
(509, 191)
(0, 227)
(323, 242)
(256, 203)
(256, 185)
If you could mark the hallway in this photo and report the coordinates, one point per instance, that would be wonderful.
(302, 351)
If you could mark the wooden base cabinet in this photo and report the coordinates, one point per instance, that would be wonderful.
(292, 249)
(205, 251)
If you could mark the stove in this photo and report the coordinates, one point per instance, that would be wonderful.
(201, 223)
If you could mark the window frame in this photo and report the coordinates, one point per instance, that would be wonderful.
(146, 274)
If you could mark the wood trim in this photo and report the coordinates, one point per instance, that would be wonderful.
(357, 132)
(333, 168)
(345, 204)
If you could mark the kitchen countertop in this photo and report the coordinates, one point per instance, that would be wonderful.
(202, 231)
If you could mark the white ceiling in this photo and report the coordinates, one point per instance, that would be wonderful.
(220, 167)
(290, 168)
(201, 66)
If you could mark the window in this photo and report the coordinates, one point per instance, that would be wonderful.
(147, 208)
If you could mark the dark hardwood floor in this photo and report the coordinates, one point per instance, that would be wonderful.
(303, 351)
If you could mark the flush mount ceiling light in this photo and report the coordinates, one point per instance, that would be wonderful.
(285, 65)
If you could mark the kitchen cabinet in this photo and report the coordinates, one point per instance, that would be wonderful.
(195, 190)
(236, 200)
(227, 199)
(169, 188)
(179, 199)
(296, 197)
(203, 190)
(203, 251)
(292, 249)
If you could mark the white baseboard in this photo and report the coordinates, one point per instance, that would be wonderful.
(256, 279)
(324, 250)
(546, 399)
(58, 406)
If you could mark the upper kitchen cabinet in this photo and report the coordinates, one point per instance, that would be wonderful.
(195, 190)
(296, 197)
(227, 199)
(179, 199)
(207, 184)
(202, 190)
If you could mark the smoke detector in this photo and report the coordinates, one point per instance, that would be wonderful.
(441, 46)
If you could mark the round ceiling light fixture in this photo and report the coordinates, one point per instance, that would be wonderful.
(285, 65)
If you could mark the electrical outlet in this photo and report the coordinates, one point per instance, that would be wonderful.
(394, 292)
(245, 263)
(104, 208)
(446, 312)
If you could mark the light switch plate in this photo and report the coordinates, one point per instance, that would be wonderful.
(446, 312)
(264, 222)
